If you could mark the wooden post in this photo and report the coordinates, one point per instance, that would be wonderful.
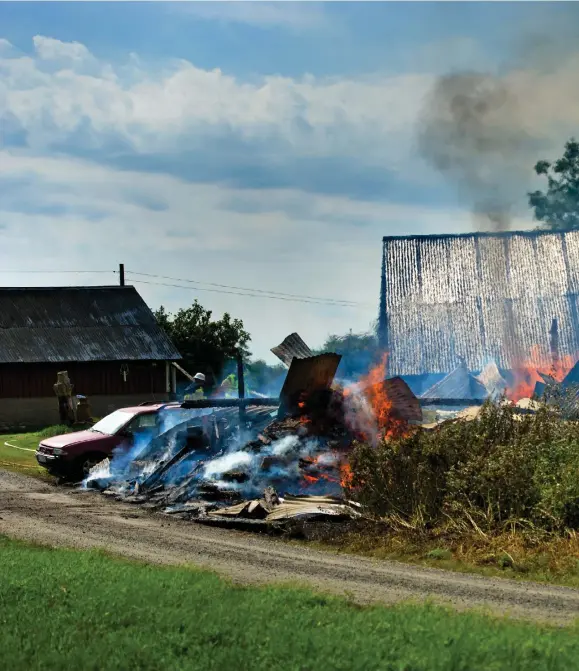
(122, 274)
(240, 387)
(173, 383)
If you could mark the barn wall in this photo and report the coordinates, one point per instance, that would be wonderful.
(41, 412)
(33, 381)
(478, 298)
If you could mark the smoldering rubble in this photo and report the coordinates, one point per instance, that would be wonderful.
(210, 468)
(260, 465)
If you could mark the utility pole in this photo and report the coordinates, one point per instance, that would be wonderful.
(122, 274)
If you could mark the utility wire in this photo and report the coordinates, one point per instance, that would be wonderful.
(90, 272)
(253, 291)
(235, 293)
(223, 288)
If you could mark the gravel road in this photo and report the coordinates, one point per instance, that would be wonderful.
(36, 511)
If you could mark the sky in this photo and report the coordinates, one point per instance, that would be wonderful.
(231, 152)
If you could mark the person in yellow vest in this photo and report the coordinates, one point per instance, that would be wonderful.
(228, 387)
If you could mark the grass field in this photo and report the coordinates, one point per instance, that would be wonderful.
(18, 454)
(85, 610)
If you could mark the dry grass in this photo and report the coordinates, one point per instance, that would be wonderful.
(511, 553)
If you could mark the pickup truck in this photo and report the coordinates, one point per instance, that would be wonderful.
(72, 455)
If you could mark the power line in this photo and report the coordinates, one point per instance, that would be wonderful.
(253, 291)
(90, 272)
(234, 293)
(223, 288)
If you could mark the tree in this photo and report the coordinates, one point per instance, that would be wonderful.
(205, 345)
(558, 206)
(265, 379)
(359, 352)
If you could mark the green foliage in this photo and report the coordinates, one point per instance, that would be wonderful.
(359, 352)
(558, 206)
(205, 343)
(64, 609)
(500, 469)
(263, 378)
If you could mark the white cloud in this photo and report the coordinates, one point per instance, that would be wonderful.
(172, 108)
(48, 49)
(63, 97)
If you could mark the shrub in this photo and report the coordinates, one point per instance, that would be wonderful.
(499, 469)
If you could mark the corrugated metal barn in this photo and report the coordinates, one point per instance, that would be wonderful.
(105, 337)
(477, 297)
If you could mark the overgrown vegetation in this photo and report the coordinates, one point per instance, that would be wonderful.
(500, 471)
(64, 609)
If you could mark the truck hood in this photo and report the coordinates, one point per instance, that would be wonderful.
(73, 438)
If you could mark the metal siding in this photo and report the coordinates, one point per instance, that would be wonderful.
(79, 324)
(451, 295)
(311, 374)
(292, 347)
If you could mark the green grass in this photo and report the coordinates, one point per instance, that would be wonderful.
(19, 456)
(20, 460)
(84, 610)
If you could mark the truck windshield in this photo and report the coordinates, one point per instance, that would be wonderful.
(110, 424)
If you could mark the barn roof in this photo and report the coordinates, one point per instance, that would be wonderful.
(479, 297)
(70, 324)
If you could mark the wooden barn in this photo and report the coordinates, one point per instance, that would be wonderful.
(105, 337)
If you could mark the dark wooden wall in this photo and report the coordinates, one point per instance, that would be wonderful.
(91, 379)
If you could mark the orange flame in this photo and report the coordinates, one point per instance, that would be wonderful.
(346, 475)
(529, 372)
(373, 388)
(321, 475)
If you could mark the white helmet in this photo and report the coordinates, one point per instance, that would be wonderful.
(199, 377)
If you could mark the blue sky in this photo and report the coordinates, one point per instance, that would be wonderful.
(263, 145)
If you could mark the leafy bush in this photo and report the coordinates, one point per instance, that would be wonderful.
(500, 469)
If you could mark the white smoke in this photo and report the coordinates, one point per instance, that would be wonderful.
(227, 462)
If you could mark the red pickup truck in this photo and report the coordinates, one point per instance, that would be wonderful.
(72, 455)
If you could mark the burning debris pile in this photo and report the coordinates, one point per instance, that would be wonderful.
(262, 464)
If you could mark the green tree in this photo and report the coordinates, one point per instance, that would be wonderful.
(265, 379)
(205, 344)
(359, 352)
(558, 206)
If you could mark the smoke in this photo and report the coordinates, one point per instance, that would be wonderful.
(484, 132)
(228, 462)
(469, 132)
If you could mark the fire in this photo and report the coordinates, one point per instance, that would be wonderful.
(372, 387)
(346, 475)
(322, 468)
(529, 372)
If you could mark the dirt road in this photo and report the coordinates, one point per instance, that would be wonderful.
(36, 511)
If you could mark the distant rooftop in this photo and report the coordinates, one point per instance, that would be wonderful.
(79, 324)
